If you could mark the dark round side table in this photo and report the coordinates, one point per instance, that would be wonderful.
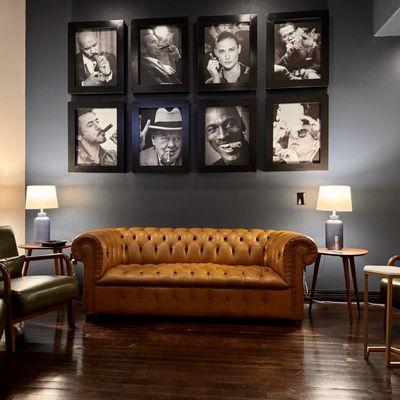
(58, 265)
(347, 255)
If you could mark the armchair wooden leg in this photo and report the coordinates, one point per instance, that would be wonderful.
(71, 314)
(10, 337)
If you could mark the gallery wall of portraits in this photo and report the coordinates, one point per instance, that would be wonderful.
(222, 135)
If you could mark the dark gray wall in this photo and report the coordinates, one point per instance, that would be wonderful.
(364, 140)
(385, 20)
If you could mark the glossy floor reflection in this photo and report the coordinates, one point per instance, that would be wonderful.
(154, 358)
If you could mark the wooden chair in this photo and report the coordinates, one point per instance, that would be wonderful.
(396, 288)
(27, 297)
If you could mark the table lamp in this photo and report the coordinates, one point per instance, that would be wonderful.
(41, 197)
(334, 198)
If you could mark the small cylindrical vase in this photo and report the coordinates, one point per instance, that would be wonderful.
(41, 227)
(334, 233)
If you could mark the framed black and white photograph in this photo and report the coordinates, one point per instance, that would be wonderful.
(226, 135)
(96, 137)
(297, 132)
(160, 136)
(96, 57)
(227, 52)
(298, 49)
(160, 55)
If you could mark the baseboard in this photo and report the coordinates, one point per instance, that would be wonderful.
(340, 295)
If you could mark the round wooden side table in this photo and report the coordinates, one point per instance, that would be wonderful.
(347, 255)
(58, 266)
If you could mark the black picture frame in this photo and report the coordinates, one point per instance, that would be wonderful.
(305, 96)
(73, 106)
(252, 126)
(317, 16)
(74, 70)
(136, 25)
(200, 57)
(183, 105)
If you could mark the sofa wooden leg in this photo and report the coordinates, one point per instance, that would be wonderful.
(71, 314)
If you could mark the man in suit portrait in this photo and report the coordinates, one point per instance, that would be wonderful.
(159, 62)
(94, 67)
(166, 139)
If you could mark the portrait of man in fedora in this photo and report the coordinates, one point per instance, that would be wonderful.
(161, 141)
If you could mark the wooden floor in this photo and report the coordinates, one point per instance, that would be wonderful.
(133, 358)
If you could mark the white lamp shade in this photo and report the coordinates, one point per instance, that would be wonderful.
(41, 197)
(334, 198)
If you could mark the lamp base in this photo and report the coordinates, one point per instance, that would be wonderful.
(334, 233)
(41, 227)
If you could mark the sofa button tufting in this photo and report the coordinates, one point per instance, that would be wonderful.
(175, 272)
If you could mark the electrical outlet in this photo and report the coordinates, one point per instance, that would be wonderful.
(300, 199)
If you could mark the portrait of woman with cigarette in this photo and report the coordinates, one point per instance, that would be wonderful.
(96, 137)
(227, 52)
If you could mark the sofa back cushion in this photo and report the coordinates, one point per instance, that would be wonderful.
(205, 245)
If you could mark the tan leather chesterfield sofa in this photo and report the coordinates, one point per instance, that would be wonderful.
(194, 272)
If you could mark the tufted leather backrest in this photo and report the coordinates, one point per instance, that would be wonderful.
(202, 245)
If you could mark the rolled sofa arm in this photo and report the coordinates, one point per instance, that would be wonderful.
(286, 252)
(100, 249)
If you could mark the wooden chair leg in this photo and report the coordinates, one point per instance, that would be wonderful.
(384, 317)
(71, 314)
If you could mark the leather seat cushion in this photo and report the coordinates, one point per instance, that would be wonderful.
(30, 294)
(2, 316)
(193, 275)
(396, 292)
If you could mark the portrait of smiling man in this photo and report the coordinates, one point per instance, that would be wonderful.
(226, 136)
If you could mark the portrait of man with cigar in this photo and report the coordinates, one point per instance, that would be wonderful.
(160, 56)
(96, 63)
(96, 137)
(226, 136)
(161, 138)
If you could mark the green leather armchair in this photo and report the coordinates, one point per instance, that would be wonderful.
(26, 297)
(396, 286)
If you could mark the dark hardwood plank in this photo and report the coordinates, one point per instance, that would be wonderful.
(164, 358)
